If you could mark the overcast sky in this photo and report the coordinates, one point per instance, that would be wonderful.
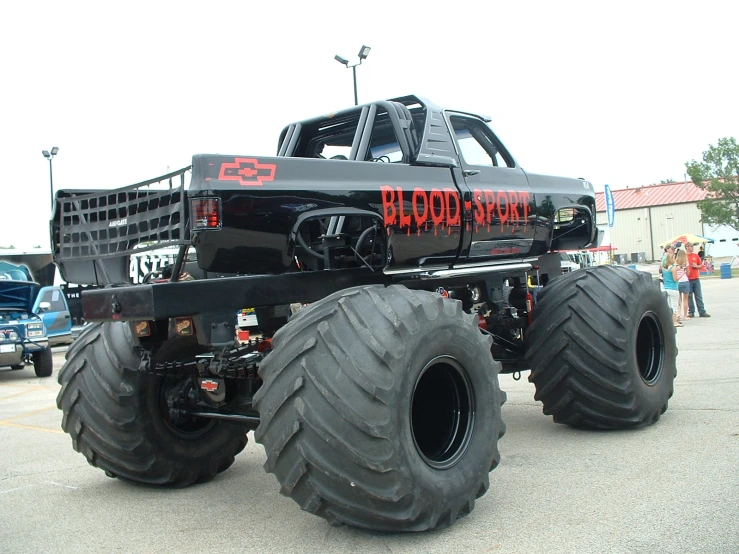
(622, 93)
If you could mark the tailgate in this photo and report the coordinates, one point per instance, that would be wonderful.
(94, 232)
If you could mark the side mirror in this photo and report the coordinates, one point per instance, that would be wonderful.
(44, 306)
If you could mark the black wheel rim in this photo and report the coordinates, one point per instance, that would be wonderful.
(442, 412)
(650, 348)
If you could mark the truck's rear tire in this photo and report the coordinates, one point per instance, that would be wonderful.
(381, 409)
(117, 416)
(43, 363)
(602, 349)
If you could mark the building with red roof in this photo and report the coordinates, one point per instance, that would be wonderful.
(654, 195)
(646, 216)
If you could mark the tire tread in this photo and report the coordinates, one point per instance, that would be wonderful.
(331, 446)
(102, 413)
(579, 351)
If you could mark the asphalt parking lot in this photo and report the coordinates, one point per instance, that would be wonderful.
(670, 488)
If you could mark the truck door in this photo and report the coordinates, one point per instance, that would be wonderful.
(499, 203)
(52, 306)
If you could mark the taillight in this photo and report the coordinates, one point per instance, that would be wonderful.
(183, 326)
(482, 323)
(142, 329)
(205, 213)
(264, 345)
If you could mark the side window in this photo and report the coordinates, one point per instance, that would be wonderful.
(477, 145)
(472, 151)
(54, 297)
(57, 304)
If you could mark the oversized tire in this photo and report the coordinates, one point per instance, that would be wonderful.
(118, 418)
(602, 349)
(380, 408)
(43, 363)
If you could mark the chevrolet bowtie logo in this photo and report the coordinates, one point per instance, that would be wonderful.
(247, 171)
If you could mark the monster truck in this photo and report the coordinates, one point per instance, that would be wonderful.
(398, 259)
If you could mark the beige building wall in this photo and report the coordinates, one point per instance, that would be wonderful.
(642, 229)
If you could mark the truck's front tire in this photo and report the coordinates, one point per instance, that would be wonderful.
(381, 409)
(602, 349)
(118, 418)
(43, 363)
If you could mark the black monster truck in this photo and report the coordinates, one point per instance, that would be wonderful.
(398, 259)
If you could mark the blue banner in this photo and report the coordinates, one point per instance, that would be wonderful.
(610, 206)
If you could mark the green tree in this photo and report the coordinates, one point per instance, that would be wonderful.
(666, 181)
(718, 175)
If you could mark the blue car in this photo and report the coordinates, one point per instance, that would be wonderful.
(51, 305)
(22, 333)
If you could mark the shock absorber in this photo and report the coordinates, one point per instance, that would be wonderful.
(521, 298)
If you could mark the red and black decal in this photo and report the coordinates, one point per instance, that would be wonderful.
(442, 208)
(247, 171)
(209, 385)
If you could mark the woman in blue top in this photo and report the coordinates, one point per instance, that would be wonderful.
(670, 283)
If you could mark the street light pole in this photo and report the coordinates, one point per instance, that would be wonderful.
(363, 53)
(50, 156)
(354, 74)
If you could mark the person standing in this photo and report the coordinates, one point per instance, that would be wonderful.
(669, 272)
(683, 283)
(694, 276)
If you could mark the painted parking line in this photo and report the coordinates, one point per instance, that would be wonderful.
(11, 422)
(19, 393)
(60, 485)
(45, 482)
(15, 489)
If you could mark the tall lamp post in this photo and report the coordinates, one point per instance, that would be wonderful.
(363, 53)
(50, 156)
